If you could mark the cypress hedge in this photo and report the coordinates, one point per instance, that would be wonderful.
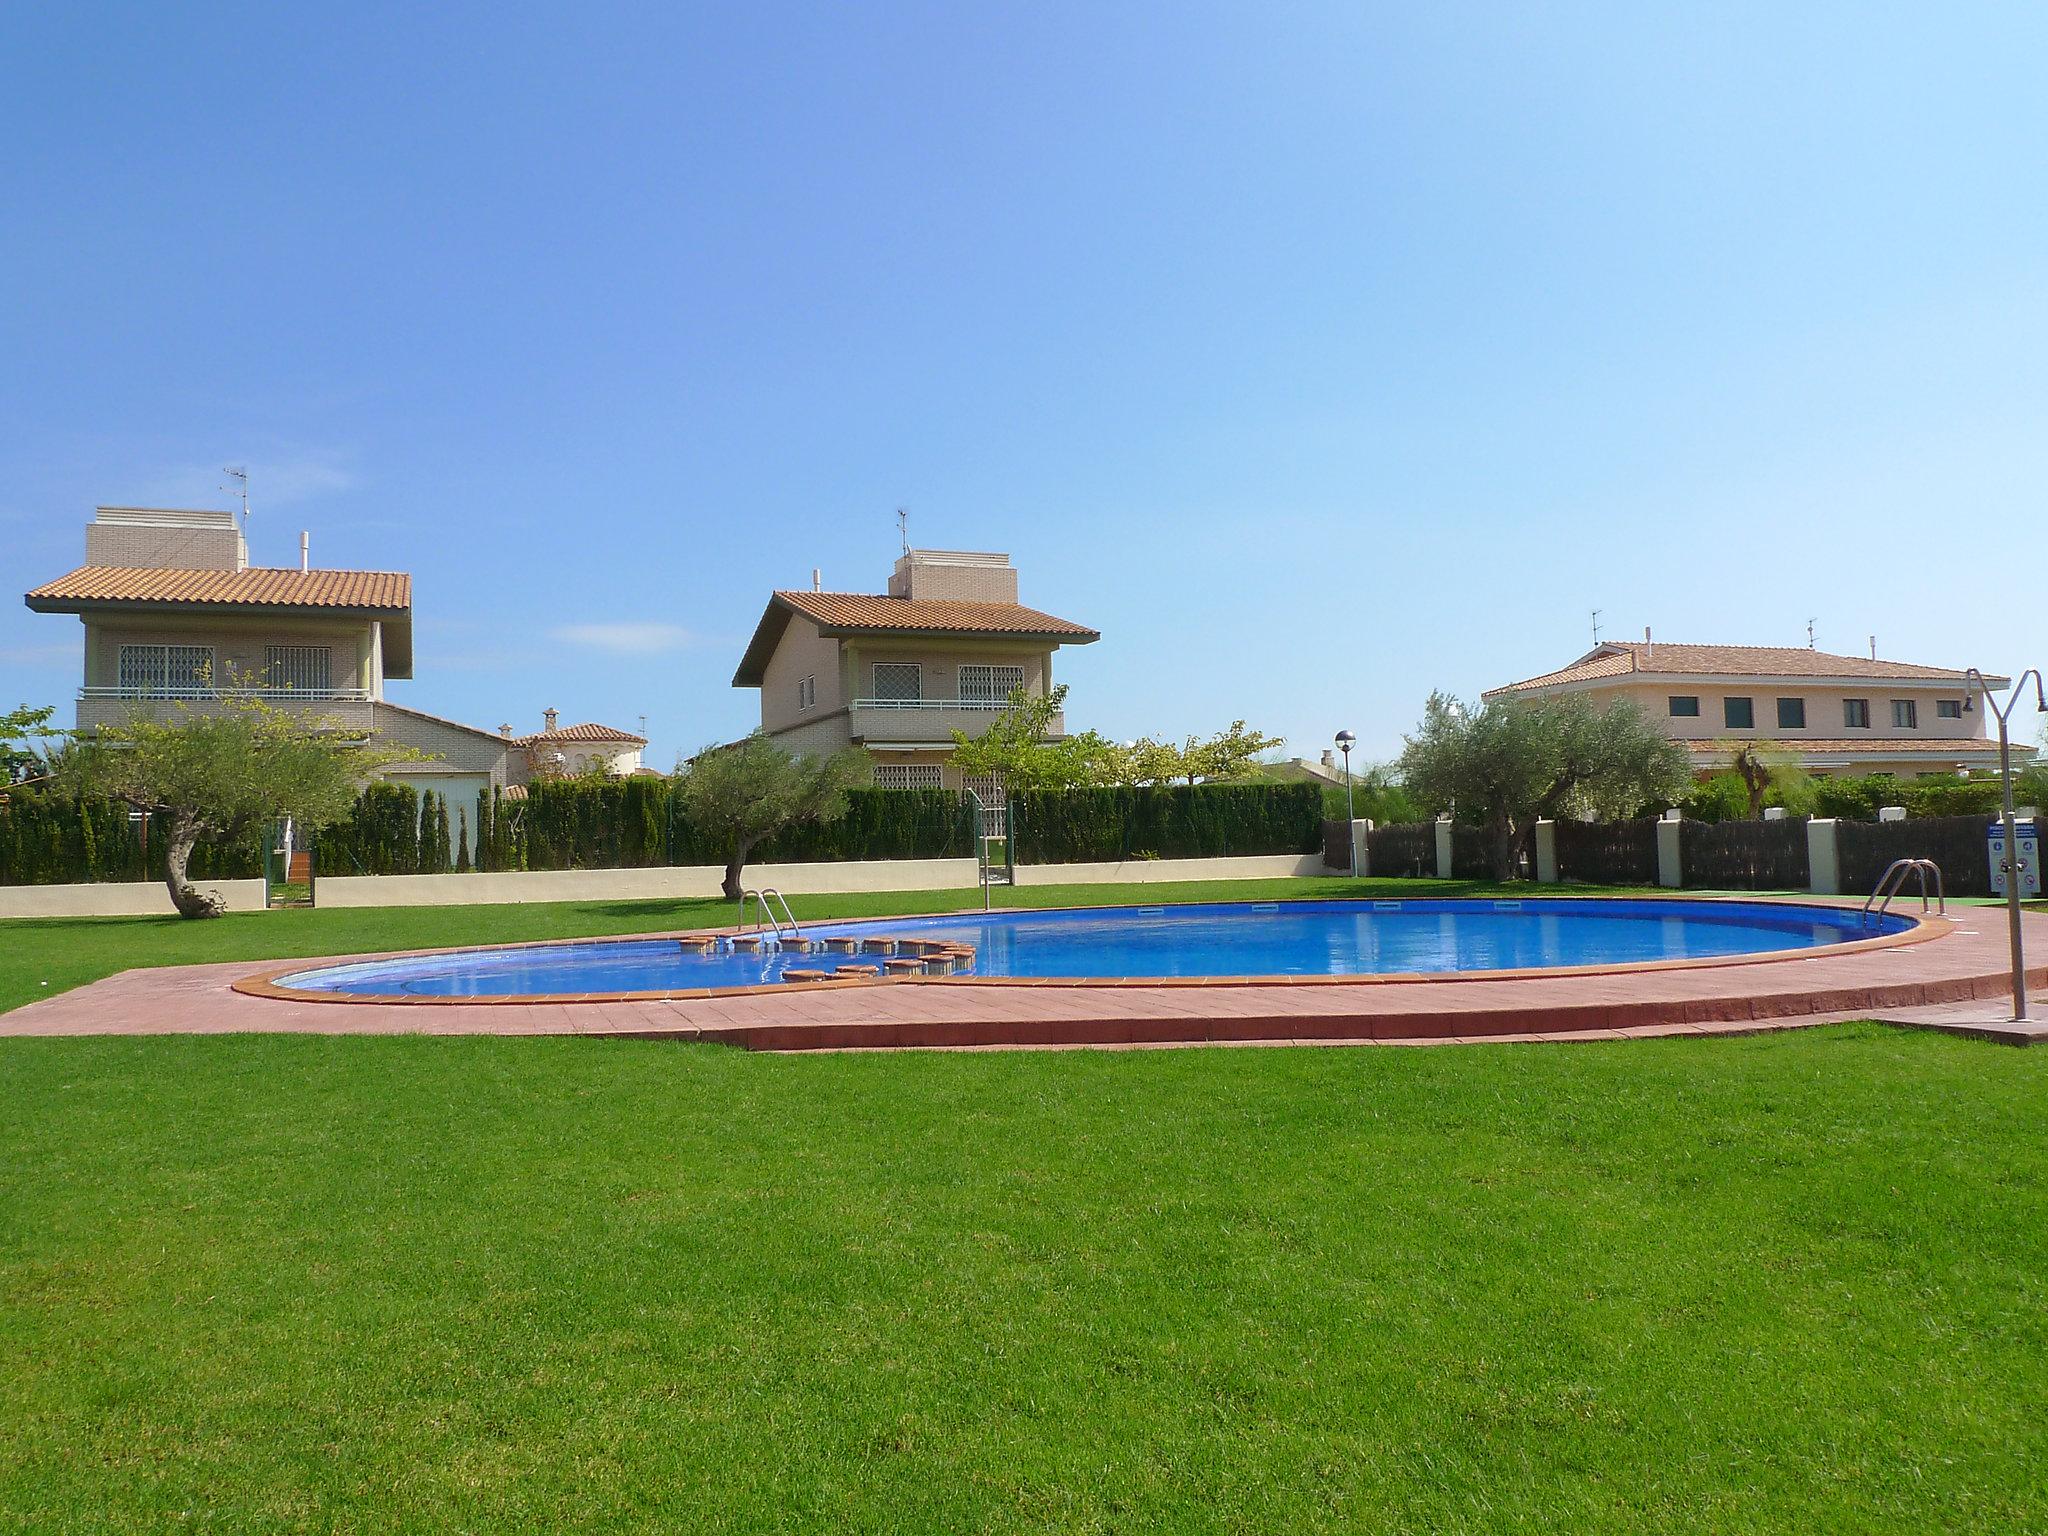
(637, 822)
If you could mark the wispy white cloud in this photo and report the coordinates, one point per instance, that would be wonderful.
(633, 639)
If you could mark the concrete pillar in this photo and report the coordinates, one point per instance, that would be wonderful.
(1670, 867)
(1361, 846)
(1546, 852)
(1443, 848)
(1823, 857)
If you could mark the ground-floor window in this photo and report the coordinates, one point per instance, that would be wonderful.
(908, 776)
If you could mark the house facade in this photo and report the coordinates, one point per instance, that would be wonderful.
(176, 617)
(1839, 714)
(898, 672)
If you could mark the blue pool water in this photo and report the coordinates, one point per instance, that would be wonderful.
(1308, 938)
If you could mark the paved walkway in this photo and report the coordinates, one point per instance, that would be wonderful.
(1896, 983)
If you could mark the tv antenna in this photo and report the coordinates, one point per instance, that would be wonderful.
(1809, 634)
(903, 527)
(1596, 625)
(240, 474)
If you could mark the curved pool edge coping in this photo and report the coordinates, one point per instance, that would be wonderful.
(265, 983)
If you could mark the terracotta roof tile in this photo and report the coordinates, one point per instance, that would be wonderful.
(257, 587)
(1864, 746)
(856, 610)
(585, 732)
(1672, 659)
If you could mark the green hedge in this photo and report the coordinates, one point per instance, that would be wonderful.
(56, 840)
(631, 823)
(1077, 826)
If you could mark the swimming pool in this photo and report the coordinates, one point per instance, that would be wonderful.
(1336, 939)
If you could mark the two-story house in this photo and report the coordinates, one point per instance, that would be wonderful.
(899, 672)
(1840, 714)
(176, 617)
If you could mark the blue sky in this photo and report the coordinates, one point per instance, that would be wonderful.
(1317, 355)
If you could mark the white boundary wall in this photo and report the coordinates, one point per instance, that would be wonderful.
(840, 876)
(119, 898)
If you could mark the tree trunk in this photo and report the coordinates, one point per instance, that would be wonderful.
(1507, 851)
(732, 888)
(177, 858)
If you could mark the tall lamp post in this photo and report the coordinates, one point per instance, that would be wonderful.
(2012, 842)
(1344, 741)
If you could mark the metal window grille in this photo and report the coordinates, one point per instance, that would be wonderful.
(989, 685)
(807, 693)
(300, 668)
(907, 776)
(900, 682)
(166, 670)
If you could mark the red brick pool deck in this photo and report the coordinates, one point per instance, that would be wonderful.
(1953, 963)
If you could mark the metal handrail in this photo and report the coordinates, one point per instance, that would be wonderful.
(1893, 881)
(208, 691)
(767, 915)
(988, 704)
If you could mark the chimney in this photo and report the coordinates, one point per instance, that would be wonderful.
(1649, 645)
(817, 579)
(550, 719)
(505, 730)
(305, 550)
(1873, 647)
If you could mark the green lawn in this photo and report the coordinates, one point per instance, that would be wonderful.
(1791, 1282)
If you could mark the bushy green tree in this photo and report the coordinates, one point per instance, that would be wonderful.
(738, 796)
(1019, 748)
(1509, 764)
(221, 777)
(24, 734)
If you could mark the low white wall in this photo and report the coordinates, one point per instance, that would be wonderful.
(790, 879)
(1146, 871)
(639, 884)
(119, 898)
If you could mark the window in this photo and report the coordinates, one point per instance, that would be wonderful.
(1739, 714)
(989, 685)
(907, 776)
(1948, 709)
(806, 693)
(301, 668)
(1685, 706)
(167, 671)
(1856, 714)
(1791, 714)
(1906, 714)
(899, 682)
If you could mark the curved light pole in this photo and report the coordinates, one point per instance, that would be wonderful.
(2012, 842)
(1344, 741)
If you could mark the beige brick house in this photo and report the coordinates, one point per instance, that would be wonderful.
(175, 616)
(1841, 714)
(898, 672)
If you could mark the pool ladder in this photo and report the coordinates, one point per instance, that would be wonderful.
(766, 913)
(1893, 882)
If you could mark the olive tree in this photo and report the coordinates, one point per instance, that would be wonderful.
(741, 795)
(220, 777)
(1509, 764)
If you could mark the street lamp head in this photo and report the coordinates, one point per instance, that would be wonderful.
(1344, 740)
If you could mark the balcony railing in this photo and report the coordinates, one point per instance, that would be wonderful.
(155, 691)
(992, 705)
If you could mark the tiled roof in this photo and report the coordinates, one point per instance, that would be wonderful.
(585, 732)
(856, 610)
(861, 613)
(382, 591)
(1668, 659)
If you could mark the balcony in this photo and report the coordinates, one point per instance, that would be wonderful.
(885, 722)
(348, 707)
